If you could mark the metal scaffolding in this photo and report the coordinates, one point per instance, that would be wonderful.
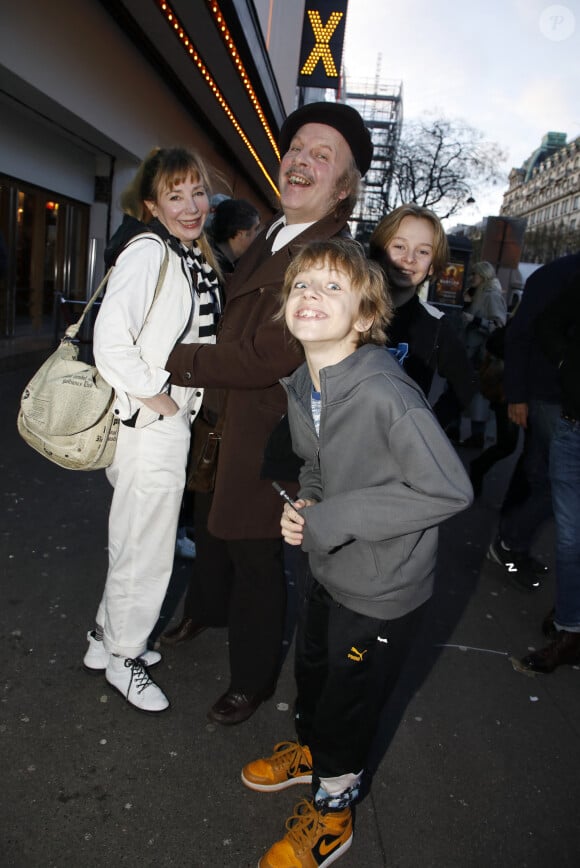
(380, 104)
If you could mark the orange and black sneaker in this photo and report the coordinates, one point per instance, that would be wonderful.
(312, 839)
(291, 763)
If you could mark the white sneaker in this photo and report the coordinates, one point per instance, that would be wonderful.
(132, 680)
(97, 657)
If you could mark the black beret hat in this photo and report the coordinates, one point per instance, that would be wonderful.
(341, 117)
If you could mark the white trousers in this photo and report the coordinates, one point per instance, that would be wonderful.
(148, 477)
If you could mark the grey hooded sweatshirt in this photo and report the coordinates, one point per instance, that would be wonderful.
(384, 476)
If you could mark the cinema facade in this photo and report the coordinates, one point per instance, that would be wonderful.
(87, 88)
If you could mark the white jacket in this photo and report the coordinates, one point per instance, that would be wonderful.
(133, 339)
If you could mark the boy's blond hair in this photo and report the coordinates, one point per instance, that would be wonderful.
(366, 279)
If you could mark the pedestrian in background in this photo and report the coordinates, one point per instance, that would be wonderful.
(533, 393)
(234, 226)
(491, 386)
(133, 337)
(558, 332)
(485, 310)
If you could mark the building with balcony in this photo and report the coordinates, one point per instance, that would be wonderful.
(546, 192)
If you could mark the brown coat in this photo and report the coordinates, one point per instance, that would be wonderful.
(251, 354)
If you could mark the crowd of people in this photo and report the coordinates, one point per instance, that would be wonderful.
(313, 364)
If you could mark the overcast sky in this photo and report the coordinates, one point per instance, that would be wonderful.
(511, 68)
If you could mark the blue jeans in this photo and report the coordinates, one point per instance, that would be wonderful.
(565, 476)
(528, 501)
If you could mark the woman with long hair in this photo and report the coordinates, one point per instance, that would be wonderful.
(140, 321)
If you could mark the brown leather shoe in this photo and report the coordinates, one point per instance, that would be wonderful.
(235, 707)
(549, 629)
(563, 650)
(185, 630)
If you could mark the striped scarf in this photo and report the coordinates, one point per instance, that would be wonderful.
(203, 278)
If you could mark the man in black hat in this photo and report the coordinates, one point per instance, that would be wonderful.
(326, 149)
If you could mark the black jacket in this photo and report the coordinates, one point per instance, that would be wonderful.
(558, 331)
(529, 374)
(129, 228)
(433, 346)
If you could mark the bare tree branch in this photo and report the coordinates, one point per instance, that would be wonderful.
(439, 164)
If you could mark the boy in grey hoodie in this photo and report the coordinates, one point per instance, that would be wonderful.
(379, 475)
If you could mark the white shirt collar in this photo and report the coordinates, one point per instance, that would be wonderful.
(281, 221)
(286, 233)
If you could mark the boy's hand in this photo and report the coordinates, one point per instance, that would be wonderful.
(292, 522)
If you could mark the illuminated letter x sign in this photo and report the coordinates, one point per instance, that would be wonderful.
(322, 36)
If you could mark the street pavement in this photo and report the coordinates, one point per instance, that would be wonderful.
(481, 764)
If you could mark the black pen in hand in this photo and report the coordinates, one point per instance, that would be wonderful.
(283, 494)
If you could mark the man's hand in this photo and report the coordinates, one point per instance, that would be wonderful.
(518, 413)
(292, 522)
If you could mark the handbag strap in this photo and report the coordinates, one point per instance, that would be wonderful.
(158, 285)
(72, 331)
